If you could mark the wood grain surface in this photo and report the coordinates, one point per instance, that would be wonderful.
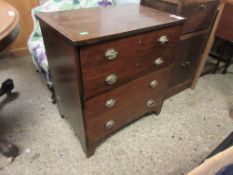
(198, 17)
(88, 26)
(187, 59)
(79, 66)
(136, 57)
(199, 13)
(64, 66)
(131, 102)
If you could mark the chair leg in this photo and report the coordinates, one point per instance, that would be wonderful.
(221, 52)
(228, 63)
(7, 87)
(216, 66)
(8, 149)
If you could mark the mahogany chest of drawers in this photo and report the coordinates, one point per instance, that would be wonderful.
(195, 32)
(110, 66)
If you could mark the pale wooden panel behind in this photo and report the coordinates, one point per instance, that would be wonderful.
(19, 48)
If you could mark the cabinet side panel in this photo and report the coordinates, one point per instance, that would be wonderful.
(187, 59)
(65, 70)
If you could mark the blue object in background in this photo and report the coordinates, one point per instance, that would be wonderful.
(228, 170)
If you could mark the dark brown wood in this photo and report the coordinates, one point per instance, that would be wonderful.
(79, 68)
(162, 5)
(199, 13)
(65, 69)
(135, 58)
(225, 26)
(187, 58)
(194, 34)
(178, 88)
(127, 107)
(139, 19)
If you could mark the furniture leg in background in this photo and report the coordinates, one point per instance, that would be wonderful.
(228, 61)
(220, 54)
(224, 55)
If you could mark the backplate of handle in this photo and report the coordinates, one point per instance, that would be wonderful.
(111, 79)
(110, 124)
(150, 103)
(163, 40)
(111, 54)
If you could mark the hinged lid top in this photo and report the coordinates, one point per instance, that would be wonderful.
(85, 26)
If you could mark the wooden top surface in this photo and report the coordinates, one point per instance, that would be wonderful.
(9, 19)
(85, 26)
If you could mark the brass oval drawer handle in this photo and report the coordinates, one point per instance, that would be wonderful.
(110, 124)
(110, 103)
(111, 79)
(111, 54)
(150, 103)
(154, 84)
(163, 40)
(203, 6)
(158, 61)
